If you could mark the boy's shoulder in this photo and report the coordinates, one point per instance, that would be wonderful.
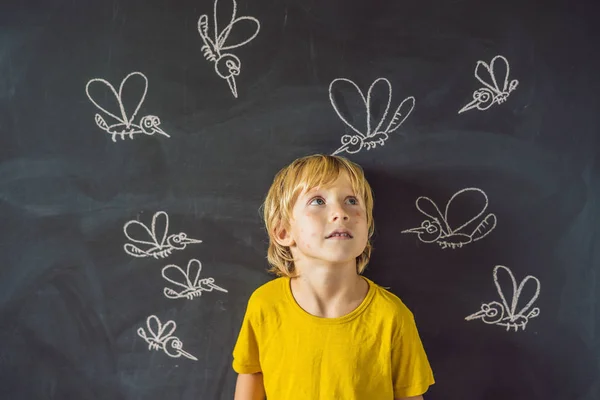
(268, 292)
(265, 301)
(389, 298)
(267, 289)
(389, 303)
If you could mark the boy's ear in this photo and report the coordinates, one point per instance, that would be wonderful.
(282, 235)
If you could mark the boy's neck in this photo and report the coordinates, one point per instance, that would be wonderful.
(329, 292)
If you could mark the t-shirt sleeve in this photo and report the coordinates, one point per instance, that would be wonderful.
(411, 371)
(245, 353)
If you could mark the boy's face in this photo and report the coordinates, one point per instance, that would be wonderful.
(329, 225)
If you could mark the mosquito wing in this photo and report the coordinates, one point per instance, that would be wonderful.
(194, 268)
(175, 274)
(402, 112)
(136, 231)
(530, 297)
(221, 38)
(493, 75)
(135, 251)
(465, 207)
(485, 227)
(342, 110)
(98, 82)
(203, 28)
(384, 92)
(151, 238)
(158, 330)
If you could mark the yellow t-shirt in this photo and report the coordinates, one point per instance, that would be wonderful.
(372, 353)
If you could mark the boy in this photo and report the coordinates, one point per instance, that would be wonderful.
(321, 330)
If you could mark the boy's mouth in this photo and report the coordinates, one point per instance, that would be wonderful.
(339, 233)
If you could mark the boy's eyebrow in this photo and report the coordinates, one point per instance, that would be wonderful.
(318, 188)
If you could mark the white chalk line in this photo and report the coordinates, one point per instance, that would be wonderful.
(154, 241)
(437, 229)
(506, 313)
(189, 283)
(492, 92)
(215, 50)
(160, 337)
(125, 127)
(371, 138)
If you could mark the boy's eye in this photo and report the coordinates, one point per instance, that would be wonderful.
(319, 201)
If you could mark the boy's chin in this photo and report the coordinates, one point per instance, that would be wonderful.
(341, 260)
(333, 258)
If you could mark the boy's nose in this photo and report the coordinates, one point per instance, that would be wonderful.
(339, 213)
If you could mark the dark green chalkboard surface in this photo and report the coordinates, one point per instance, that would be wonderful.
(139, 138)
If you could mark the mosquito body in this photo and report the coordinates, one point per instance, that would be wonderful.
(437, 228)
(188, 283)
(496, 85)
(373, 136)
(154, 241)
(216, 49)
(124, 127)
(160, 337)
(507, 313)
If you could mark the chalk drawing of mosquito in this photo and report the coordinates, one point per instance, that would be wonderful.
(189, 281)
(155, 241)
(372, 137)
(227, 65)
(506, 314)
(160, 337)
(438, 229)
(494, 91)
(148, 125)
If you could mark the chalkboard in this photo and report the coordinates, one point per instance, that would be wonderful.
(138, 144)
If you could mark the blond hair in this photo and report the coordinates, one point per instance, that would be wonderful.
(302, 175)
